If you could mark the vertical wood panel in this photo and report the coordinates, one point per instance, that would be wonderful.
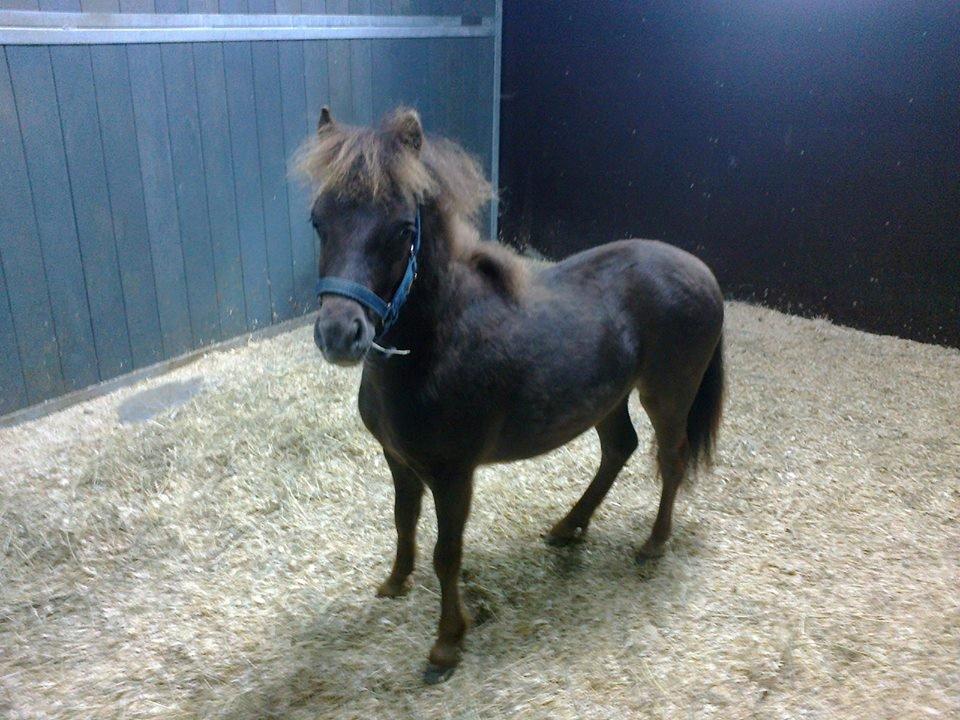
(186, 153)
(385, 90)
(276, 206)
(203, 6)
(136, 6)
(436, 92)
(13, 389)
(219, 178)
(315, 69)
(73, 75)
(338, 64)
(242, 111)
(295, 121)
(316, 75)
(409, 76)
(383, 87)
(395, 72)
(434, 107)
(418, 84)
(422, 7)
(238, 67)
(273, 177)
(100, 5)
(458, 81)
(36, 100)
(476, 100)
(153, 141)
(125, 186)
(480, 118)
(22, 258)
(437, 115)
(482, 49)
(361, 70)
(453, 83)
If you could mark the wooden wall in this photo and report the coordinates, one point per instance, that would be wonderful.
(145, 207)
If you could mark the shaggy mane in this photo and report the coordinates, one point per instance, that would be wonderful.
(385, 163)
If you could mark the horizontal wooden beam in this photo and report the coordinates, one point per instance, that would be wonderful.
(28, 27)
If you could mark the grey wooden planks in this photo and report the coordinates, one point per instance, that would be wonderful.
(31, 73)
(183, 126)
(149, 206)
(163, 223)
(296, 127)
(219, 177)
(115, 115)
(30, 343)
(76, 96)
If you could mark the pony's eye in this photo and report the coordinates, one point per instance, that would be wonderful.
(406, 234)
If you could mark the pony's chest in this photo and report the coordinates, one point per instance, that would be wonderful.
(414, 423)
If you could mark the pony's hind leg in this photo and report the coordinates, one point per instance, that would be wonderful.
(670, 429)
(618, 440)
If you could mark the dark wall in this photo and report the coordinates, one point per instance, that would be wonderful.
(808, 151)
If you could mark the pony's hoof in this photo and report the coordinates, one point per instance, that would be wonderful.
(649, 552)
(561, 535)
(443, 659)
(434, 674)
(391, 589)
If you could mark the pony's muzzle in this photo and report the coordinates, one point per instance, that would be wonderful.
(342, 331)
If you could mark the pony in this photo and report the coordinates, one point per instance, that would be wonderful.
(473, 354)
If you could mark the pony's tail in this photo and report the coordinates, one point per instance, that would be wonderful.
(703, 421)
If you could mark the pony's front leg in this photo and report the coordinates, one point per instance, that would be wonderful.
(451, 495)
(408, 492)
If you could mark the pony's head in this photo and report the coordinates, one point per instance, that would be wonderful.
(370, 186)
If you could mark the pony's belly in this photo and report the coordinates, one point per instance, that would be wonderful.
(531, 429)
(523, 446)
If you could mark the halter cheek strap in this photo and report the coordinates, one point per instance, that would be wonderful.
(386, 311)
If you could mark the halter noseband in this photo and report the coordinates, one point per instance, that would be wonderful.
(386, 311)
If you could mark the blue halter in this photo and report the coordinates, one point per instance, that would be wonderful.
(386, 311)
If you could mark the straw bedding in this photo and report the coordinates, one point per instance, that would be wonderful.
(219, 560)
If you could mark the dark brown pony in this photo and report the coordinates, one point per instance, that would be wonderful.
(507, 358)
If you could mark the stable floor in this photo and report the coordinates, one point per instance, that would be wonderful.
(215, 554)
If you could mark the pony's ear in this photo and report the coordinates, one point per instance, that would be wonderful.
(326, 119)
(406, 128)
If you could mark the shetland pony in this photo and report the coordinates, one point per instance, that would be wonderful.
(472, 354)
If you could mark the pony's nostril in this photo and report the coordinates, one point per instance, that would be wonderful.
(358, 334)
(317, 335)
